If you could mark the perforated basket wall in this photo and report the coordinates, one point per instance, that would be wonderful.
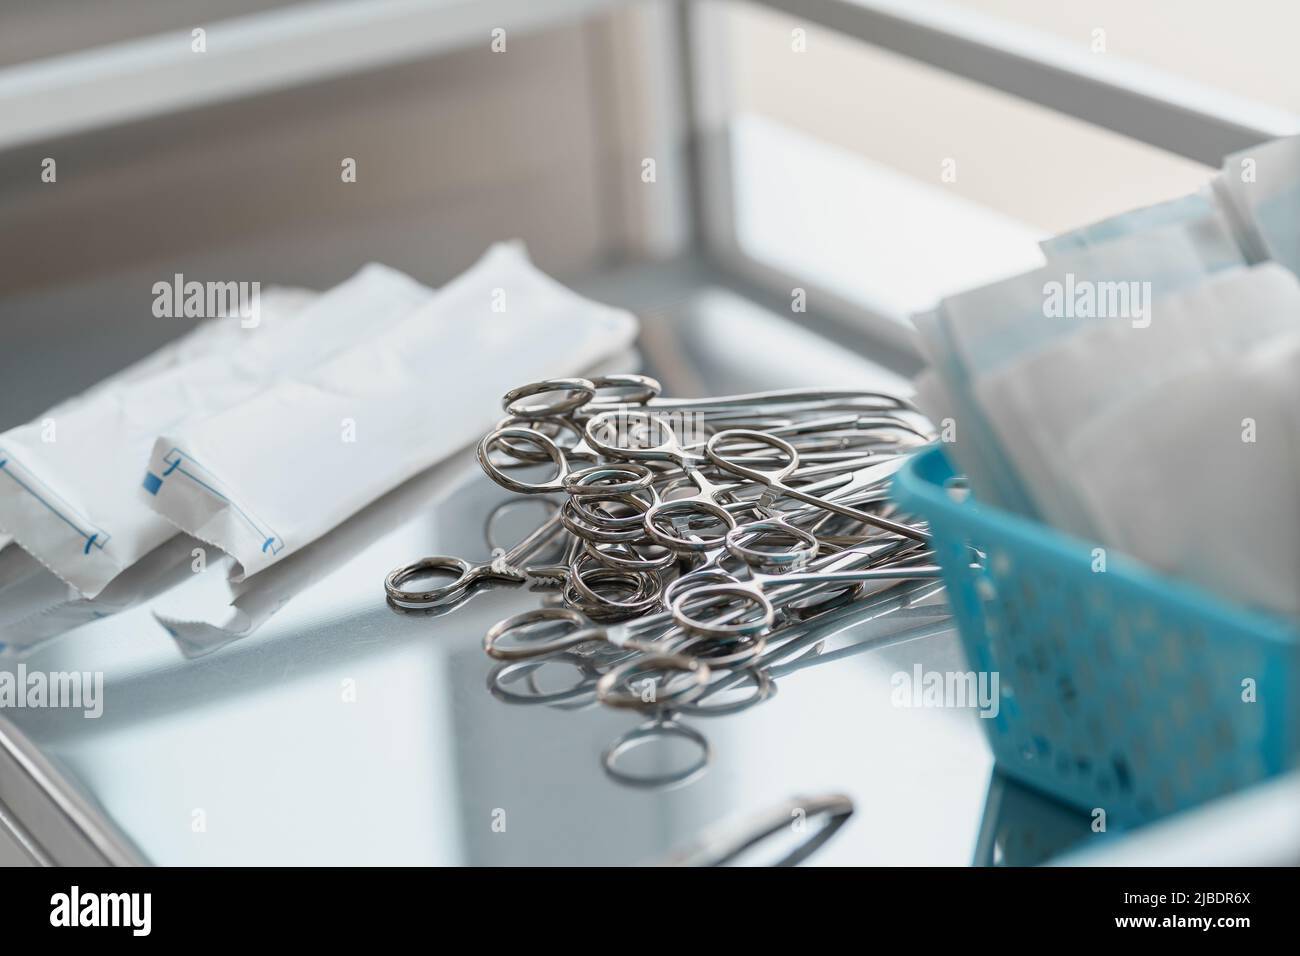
(1121, 689)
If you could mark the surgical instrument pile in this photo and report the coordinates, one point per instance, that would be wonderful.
(686, 536)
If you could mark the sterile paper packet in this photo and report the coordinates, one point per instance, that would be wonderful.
(1197, 477)
(1037, 403)
(75, 503)
(202, 629)
(264, 478)
(969, 336)
(205, 339)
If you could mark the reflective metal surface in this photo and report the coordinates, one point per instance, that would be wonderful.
(343, 732)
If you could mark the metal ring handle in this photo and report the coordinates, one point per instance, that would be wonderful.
(643, 387)
(762, 476)
(633, 563)
(687, 505)
(581, 483)
(644, 587)
(731, 654)
(553, 428)
(429, 597)
(716, 629)
(805, 549)
(609, 689)
(699, 578)
(584, 530)
(499, 680)
(592, 510)
(583, 633)
(764, 688)
(580, 392)
(598, 425)
(638, 736)
(494, 471)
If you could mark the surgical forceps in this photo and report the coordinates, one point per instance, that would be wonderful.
(775, 479)
(576, 393)
(578, 397)
(767, 593)
(651, 635)
(502, 569)
(707, 497)
(905, 598)
(711, 501)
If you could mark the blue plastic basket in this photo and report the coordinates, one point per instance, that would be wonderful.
(1121, 689)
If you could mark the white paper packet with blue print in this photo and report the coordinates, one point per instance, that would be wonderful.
(205, 339)
(72, 497)
(264, 478)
